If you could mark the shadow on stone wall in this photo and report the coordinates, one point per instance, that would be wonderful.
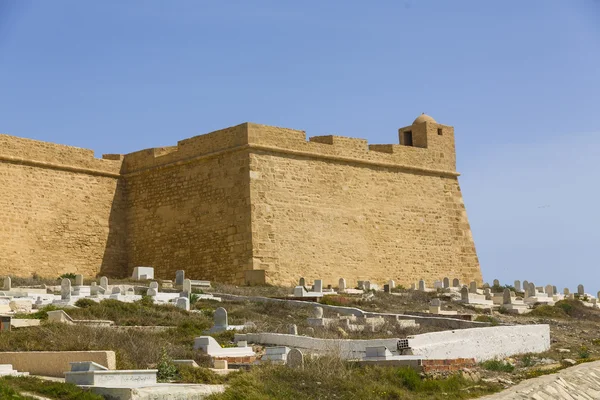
(114, 261)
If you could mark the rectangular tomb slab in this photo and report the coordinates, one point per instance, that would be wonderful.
(123, 378)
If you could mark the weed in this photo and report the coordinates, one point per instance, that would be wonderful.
(68, 275)
(55, 390)
(167, 371)
(487, 318)
(498, 365)
(584, 352)
(527, 360)
(596, 342)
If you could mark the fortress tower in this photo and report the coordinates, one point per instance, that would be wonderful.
(250, 203)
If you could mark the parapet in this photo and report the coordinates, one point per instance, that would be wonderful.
(436, 155)
(43, 154)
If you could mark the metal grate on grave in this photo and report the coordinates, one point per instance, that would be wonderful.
(403, 344)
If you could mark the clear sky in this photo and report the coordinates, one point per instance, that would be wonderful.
(519, 81)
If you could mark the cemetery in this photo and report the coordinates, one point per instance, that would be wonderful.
(203, 339)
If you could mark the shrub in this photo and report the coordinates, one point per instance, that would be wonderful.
(497, 365)
(584, 352)
(167, 371)
(68, 275)
(85, 303)
(596, 342)
(187, 374)
(527, 360)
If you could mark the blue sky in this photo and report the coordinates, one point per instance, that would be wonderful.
(519, 81)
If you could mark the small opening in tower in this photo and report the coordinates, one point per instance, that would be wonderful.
(440, 131)
(408, 138)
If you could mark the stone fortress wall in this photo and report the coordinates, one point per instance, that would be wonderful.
(247, 202)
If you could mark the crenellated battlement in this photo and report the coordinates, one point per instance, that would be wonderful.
(56, 156)
(433, 154)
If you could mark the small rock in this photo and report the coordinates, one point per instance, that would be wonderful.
(505, 381)
(563, 350)
(569, 362)
(342, 332)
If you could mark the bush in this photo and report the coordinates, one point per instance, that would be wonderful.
(187, 374)
(167, 371)
(584, 352)
(68, 275)
(85, 303)
(596, 342)
(497, 365)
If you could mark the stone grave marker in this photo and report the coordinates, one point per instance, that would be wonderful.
(293, 329)
(473, 287)
(318, 312)
(386, 288)
(580, 290)
(302, 282)
(151, 292)
(566, 291)
(422, 285)
(104, 282)
(496, 282)
(507, 298)
(392, 284)
(65, 289)
(342, 285)
(182, 302)
(94, 289)
(179, 277)
(78, 280)
(455, 282)
(318, 286)
(517, 286)
(187, 287)
(446, 282)
(7, 283)
(549, 290)
(153, 285)
(220, 318)
(464, 294)
(295, 359)
(116, 290)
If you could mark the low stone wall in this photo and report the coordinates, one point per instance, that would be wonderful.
(446, 322)
(482, 343)
(55, 363)
(346, 348)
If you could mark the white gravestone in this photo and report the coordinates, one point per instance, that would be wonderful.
(78, 280)
(65, 289)
(342, 285)
(183, 303)
(104, 282)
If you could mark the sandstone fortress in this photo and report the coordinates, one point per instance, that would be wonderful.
(249, 203)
